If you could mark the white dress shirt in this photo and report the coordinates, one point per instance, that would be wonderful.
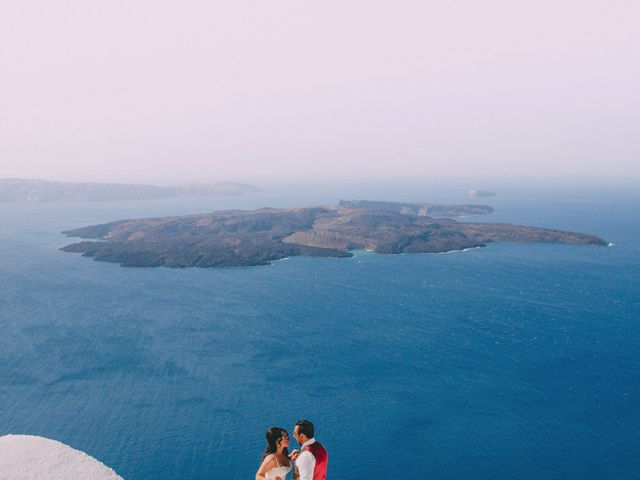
(306, 462)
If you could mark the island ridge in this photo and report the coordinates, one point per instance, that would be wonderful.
(258, 237)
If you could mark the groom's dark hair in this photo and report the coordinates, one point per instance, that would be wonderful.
(306, 427)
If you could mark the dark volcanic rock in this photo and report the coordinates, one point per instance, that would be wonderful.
(258, 237)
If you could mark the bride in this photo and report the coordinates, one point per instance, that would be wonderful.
(275, 461)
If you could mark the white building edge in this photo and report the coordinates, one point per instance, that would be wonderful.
(28, 457)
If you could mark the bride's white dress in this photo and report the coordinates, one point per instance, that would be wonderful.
(279, 471)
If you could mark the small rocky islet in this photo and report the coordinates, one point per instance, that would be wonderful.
(259, 237)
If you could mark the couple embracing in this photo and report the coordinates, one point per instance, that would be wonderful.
(309, 463)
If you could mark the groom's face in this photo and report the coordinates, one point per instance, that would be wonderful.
(296, 435)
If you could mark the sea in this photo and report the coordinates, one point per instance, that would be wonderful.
(514, 361)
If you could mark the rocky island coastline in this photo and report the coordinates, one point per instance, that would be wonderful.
(258, 237)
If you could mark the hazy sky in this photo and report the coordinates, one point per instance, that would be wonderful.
(160, 91)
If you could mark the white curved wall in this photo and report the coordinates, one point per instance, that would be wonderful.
(27, 457)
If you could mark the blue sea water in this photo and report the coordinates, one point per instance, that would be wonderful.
(511, 361)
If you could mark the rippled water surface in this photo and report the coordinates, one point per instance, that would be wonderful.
(512, 361)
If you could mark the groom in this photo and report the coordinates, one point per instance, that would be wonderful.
(311, 460)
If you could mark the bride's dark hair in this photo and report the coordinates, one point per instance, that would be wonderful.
(274, 435)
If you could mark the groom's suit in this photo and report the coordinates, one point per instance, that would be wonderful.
(311, 463)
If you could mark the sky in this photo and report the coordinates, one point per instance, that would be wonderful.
(164, 91)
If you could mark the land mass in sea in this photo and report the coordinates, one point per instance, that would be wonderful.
(258, 237)
(21, 190)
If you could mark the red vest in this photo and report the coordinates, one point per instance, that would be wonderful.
(320, 454)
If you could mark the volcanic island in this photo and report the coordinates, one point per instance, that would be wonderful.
(259, 237)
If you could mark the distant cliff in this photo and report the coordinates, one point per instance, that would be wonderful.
(477, 193)
(31, 191)
(258, 237)
(17, 190)
(420, 209)
(222, 188)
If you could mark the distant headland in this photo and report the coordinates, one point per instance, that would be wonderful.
(420, 209)
(478, 193)
(258, 237)
(20, 190)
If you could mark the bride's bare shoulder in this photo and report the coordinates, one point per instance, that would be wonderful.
(268, 463)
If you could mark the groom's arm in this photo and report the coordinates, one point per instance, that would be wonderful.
(306, 462)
